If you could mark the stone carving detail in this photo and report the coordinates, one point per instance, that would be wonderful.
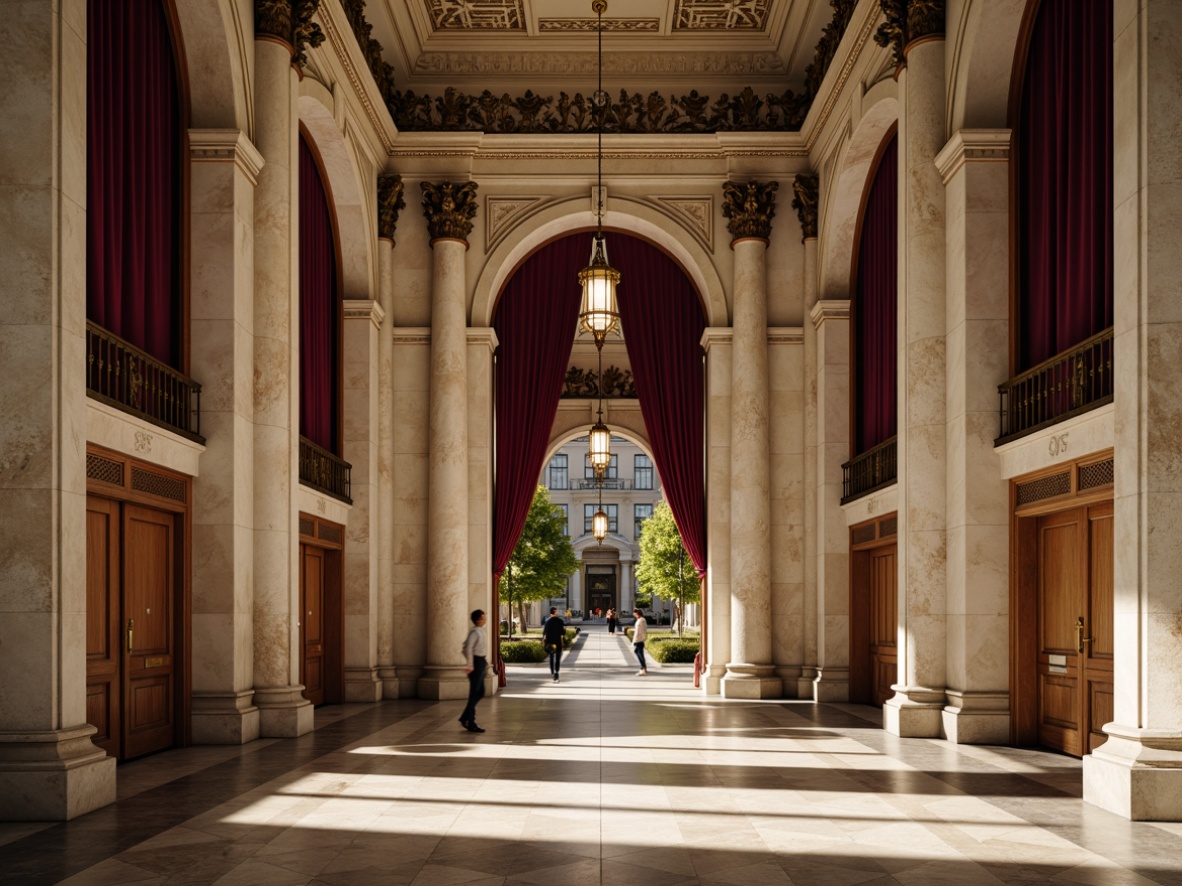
(614, 63)
(449, 208)
(750, 208)
(843, 11)
(503, 213)
(696, 213)
(371, 49)
(476, 15)
(908, 21)
(720, 15)
(390, 203)
(805, 187)
(291, 22)
(589, 24)
(617, 383)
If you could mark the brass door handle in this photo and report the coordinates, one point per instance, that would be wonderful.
(130, 629)
(1080, 639)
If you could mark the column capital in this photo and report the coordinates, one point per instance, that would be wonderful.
(390, 204)
(806, 187)
(289, 22)
(977, 145)
(716, 335)
(907, 22)
(449, 208)
(829, 309)
(364, 309)
(483, 335)
(749, 209)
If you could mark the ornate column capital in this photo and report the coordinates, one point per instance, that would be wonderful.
(290, 22)
(749, 208)
(906, 22)
(390, 203)
(806, 188)
(449, 208)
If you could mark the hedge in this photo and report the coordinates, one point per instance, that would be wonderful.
(522, 651)
(671, 650)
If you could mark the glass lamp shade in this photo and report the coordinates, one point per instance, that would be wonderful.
(599, 525)
(599, 452)
(599, 313)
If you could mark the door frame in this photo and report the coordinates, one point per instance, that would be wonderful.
(329, 537)
(879, 532)
(122, 478)
(1085, 481)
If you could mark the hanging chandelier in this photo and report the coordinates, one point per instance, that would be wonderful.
(599, 314)
(599, 519)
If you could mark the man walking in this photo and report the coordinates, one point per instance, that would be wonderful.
(476, 657)
(639, 635)
(553, 632)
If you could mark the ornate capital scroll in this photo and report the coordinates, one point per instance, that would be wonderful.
(749, 208)
(906, 22)
(449, 208)
(291, 22)
(805, 187)
(390, 203)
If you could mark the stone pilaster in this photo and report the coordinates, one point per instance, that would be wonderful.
(284, 712)
(449, 208)
(223, 171)
(716, 344)
(808, 674)
(1137, 773)
(750, 672)
(975, 168)
(387, 672)
(831, 322)
(915, 709)
(482, 343)
(49, 769)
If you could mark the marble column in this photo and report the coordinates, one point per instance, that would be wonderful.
(831, 322)
(284, 712)
(716, 627)
(482, 344)
(363, 321)
(49, 769)
(223, 172)
(750, 672)
(1137, 773)
(449, 208)
(916, 707)
(976, 172)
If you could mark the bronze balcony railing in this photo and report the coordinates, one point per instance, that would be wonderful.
(1056, 389)
(121, 375)
(324, 471)
(873, 469)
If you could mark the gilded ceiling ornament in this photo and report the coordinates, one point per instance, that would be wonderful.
(720, 15)
(831, 34)
(805, 187)
(291, 22)
(907, 21)
(390, 203)
(476, 15)
(749, 208)
(449, 208)
(584, 383)
(371, 49)
(305, 32)
(924, 18)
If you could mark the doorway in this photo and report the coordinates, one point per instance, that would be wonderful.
(321, 616)
(601, 589)
(873, 610)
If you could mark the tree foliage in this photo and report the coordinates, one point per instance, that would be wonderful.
(665, 569)
(542, 560)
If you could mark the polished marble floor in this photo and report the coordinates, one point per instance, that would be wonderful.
(602, 778)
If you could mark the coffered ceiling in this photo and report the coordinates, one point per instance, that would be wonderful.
(550, 45)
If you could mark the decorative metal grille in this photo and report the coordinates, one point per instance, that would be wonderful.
(1044, 487)
(1099, 474)
(307, 527)
(329, 532)
(888, 526)
(862, 534)
(157, 484)
(104, 469)
(324, 471)
(869, 471)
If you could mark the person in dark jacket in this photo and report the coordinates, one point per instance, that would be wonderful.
(553, 632)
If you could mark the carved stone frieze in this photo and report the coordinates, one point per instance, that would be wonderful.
(617, 383)
(749, 208)
(720, 15)
(906, 21)
(628, 25)
(621, 64)
(695, 213)
(805, 187)
(449, 208)
(503, 214)
(390, 203)
(291, 22)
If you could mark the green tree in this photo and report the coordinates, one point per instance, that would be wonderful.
(542, 560)
(665, 569)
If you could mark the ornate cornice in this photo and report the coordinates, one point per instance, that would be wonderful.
(289, 21)
(381, 120)
(829, 309)
(363, 309)
(843, 11)
(785, 335)
(411, 335)
(390, 203)
(907, 21)
(449, 208)
(371, 49)
(805, 187)
(749, 208)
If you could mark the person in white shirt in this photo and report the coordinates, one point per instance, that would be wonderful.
(476, 657)
(639, 635)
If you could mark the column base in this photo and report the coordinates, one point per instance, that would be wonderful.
(408, 681)
(977, 717)
(391, 685)
(831, 685)
(712, 679)
(362, 685)
(789, 677)
(53, 776)
(442, 682)
(284, 712)
(224, 718)
(804, 683)
(751, 681)
(914, 712)
(1136, 774)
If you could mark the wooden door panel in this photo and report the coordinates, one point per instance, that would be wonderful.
(312, 623)
(1060, 603)
(884, 618)
(103, 646)
(1098, 650)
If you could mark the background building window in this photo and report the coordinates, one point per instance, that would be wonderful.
(613, 516)
(640, 513)
(642, 474)
(559, 476)
(613, 468)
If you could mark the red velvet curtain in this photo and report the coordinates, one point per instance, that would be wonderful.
(875, 301)
(1064, 144)
(133, 183)
(535, 322)
(663, 323)
(319, 310)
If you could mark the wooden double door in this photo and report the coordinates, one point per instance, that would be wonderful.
(874, 614)
(134, 667)
(320, 613)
